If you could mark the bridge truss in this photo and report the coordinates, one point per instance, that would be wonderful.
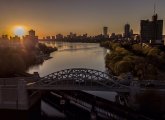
(79, 79)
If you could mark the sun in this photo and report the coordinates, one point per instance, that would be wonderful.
(19, 31)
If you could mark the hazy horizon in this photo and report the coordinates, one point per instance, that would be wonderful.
(51, 17)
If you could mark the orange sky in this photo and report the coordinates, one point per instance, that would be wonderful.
(50, 17)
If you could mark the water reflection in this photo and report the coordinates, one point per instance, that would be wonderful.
(71, 46)
(72, 55)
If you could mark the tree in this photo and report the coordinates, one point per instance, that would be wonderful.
(123, 67)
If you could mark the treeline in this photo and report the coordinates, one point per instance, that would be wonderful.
(15, 61)
(45, 49)
(143, 61)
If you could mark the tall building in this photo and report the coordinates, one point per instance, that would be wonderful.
(31, 40)
(127, 32)
(105, 31)
(151, 31)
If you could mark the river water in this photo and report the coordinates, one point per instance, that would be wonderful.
(74, 55)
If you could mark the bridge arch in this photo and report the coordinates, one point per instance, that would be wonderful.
(79, 79)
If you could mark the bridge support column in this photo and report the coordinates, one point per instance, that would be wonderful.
(22, 96)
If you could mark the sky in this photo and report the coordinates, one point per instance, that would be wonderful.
(50, 17)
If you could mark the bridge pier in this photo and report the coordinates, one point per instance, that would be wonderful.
(15, 101)
(22, 95)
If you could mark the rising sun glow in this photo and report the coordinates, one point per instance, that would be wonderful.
(19, 30)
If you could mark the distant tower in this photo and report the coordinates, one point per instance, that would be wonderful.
(127, 30)
(105, 31)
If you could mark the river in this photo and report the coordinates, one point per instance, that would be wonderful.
(74, 55)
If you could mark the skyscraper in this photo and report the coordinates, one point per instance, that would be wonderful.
(105, 31)
(30, 40)
(151, 31)
(127, 31)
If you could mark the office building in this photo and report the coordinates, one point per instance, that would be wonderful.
(151, 31)
(127, 32)
(31, 40)
(105, 31)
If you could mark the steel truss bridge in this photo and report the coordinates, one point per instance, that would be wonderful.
(79, 79)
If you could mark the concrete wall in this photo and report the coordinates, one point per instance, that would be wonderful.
(13, 94)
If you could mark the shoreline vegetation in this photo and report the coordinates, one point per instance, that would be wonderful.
(143, 61)
(15, 61)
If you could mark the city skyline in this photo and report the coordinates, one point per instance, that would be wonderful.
(55, 16)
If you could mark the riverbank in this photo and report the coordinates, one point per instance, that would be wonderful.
(44, 53)
(144, 62)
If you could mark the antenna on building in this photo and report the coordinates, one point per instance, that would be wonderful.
(155, 7)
